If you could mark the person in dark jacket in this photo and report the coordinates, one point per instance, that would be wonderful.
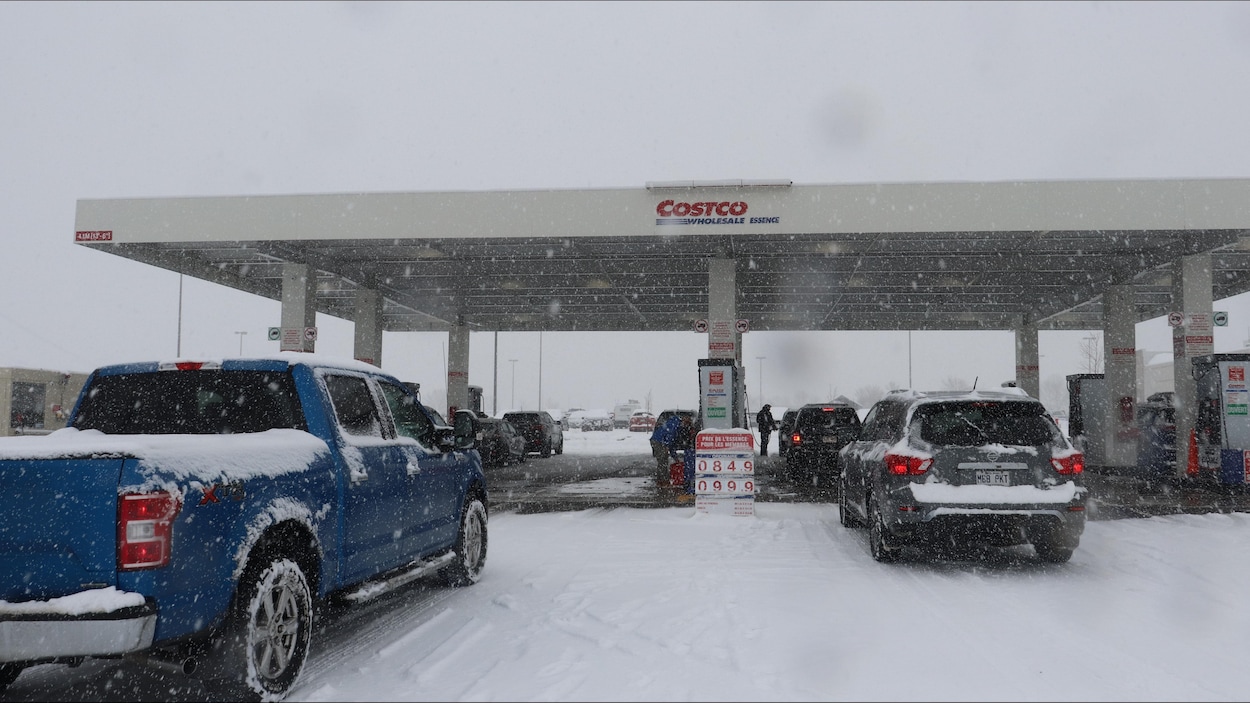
(663, 439)
(766, 424)
(684, 440)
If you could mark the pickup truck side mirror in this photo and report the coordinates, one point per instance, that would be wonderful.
(467, 429)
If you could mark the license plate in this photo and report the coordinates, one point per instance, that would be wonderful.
(829, 440)
(994, 478)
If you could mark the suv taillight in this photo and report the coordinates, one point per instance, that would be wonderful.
(796, 438)
(1071, 464)
(901, 465)
(144, 526)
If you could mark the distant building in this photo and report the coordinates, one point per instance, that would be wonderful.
(35, 401)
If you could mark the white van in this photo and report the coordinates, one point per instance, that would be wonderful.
(620, 415)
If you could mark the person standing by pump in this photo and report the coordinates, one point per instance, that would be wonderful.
(766, 424)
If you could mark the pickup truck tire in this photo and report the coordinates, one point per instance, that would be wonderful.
(546, 451)
(9, 674)
(266, 643)
(470, 549)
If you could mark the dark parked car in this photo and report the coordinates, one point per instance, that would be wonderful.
(968, 467)
(1156, 438)
(543, 434)
(820, 431)
(784, 428)
(500, 443)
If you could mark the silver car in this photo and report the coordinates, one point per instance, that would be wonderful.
(979, 467)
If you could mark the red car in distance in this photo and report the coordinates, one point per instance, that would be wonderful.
(641, 421)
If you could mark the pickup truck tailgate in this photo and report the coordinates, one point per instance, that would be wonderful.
(58, 526)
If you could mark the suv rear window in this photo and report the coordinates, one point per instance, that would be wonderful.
(977, 423)
(532, 418)
(191, 402)
(828, 418)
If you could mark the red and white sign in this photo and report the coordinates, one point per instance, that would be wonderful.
(716, 378)
(739, 506)
(94, 236)
(742, 326)
(1176, 319)
(726, 466)
(1236, 373)
(725, 471)
(734, 442)
(700, 325)
(725, 485)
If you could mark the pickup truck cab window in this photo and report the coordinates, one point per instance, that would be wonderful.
(353, 405)
(410, 421)
(191, 402)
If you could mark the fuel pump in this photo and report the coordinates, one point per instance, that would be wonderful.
(721, 394)
(1222, 427)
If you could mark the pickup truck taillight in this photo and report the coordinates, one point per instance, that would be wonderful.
(144, 522)
(902, 465)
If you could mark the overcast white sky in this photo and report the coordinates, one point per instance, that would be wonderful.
(130, 100)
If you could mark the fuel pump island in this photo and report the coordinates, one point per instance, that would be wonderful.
(724, 479)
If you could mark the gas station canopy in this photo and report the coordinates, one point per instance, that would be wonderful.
(956, 256)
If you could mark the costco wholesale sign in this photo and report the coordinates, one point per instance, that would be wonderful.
(724, 212)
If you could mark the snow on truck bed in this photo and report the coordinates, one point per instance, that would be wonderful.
(180, 456)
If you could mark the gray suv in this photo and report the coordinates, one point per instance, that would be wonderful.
(975, 467)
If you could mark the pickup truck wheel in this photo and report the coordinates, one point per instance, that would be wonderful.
(266, 644)
(546, 452)
(560, 446)
(470, 549)
(9, 674)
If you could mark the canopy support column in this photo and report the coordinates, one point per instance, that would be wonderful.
(1191, 291)
(367, 345)
(1119, 341)
(299, 309)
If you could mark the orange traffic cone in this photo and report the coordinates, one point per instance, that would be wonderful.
(1191, 467)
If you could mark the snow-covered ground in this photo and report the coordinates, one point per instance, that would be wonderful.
(637, 605)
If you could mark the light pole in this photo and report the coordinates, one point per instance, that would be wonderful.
(761, 360)
(513, 383)
(909, 383)
(241, 333)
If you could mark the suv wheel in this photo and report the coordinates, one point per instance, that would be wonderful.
(9, 674)
(1052, 552)
(546, 452)
(879, 541)
(845, 516)
(560, 446)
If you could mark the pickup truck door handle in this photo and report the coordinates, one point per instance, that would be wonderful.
(413, 468)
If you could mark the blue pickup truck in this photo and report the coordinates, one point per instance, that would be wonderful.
(195, 512)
